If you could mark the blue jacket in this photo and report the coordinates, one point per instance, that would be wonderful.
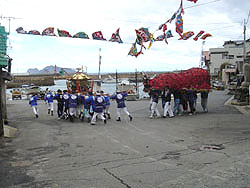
(80, 99)
(49, 97)
(107, 100)
(33, 101)
(120, 99)
(59, 98)
(99, 105)
(90, 101)
(66, 99)
(72, 101)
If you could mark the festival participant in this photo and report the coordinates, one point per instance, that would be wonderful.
(90, 102)
(60, 103)
(184, 100)
(49, 99)
(154, 100)
(72, 106)
(33, 104)
(166, 96)
(190, 100)
(99, 106)
(120, 99)
(177, 102)
(204, 98)
(85, 113)
(80, 104)
(66, 104)
(107, 103)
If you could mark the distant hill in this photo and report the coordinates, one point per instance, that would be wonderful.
(50, 70)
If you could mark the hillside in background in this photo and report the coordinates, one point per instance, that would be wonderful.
(50, 70)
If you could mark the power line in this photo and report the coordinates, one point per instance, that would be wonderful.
(202, 4)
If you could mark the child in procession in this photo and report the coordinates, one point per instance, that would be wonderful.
(120, 99)
(33, 104)
(49, 99)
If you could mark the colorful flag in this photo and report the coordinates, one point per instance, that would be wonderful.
(205, 36)
(187, 35)
(143, 34)
(193, 1)
(151, 41)
(166, 35)
(116, 37)
(133, 50)
(81, 35)
(198, 35)
(179, 20)
(49, 31)
(20, 30)
(34, 32)
(63, 33)
(98, 36)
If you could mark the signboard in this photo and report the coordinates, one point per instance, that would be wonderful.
(3, 47)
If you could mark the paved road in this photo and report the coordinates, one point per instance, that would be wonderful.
(144, 153)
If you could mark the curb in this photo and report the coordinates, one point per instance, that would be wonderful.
(241, 109)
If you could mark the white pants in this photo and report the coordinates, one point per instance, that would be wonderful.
(79, 109)
(100, 114)
(51, 106)
(72, 111)
(35, 110)
(124, 110)
(168, 109)
(107, 109)
(154, 110)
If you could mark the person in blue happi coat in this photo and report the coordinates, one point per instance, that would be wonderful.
(120, 99)
(72, 106)
(49, 99)
(33, 104)
(99, 107)
(66, 104)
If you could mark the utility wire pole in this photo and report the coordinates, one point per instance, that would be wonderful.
(244, 32)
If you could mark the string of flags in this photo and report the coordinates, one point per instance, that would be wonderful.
(142, 34)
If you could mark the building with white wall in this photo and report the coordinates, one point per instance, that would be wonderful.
(232, 53)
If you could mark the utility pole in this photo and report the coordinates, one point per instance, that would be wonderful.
(100, 58)
(244, 43)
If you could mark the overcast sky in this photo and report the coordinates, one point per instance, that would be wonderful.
(222, 18)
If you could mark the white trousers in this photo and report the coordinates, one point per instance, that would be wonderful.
(125, 110)
(51, 106)
(168, 110)
(72, 111)
(35, 110)
(100, 114)
(107, 109)
(154, 110)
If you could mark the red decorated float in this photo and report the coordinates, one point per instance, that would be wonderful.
(195, 78)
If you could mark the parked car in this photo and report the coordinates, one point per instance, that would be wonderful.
(217, 85)
(16, 93)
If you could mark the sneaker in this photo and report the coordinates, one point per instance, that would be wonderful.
(190, 114)
(92, 123)
(151, 117)
(130, 118)
(119, 119)
(163, 116)
(48, 111)
(109, 116)
(105, 121)
(51, 113)
(36, 115)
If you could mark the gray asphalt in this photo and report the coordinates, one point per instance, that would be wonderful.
(144, 153)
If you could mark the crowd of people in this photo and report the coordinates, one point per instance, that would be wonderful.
(82, 105)
(88, 106)
(185, 101)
